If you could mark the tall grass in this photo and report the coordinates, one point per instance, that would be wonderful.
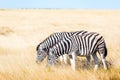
(22, 66)
(22, 30)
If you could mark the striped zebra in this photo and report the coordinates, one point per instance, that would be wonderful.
(84, 45)
(43, 47)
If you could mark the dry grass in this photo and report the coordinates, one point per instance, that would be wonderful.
(22, 30)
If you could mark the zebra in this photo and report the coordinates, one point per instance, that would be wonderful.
(43, 48)
(81, 45)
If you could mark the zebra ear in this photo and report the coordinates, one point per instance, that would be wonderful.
(37, 47)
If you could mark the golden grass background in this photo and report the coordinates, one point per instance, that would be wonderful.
(21, 30)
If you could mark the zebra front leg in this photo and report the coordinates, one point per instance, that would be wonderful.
(88, 58)
(104, 61)
(72, 60)
(63, 58)
(95, 60)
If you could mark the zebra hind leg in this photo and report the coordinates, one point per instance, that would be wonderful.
(95, 60)
(88, 58)
(63, 58)
(72, 60)
(103, 53)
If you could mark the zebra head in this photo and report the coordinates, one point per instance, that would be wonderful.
(41, 53)
(52, 58)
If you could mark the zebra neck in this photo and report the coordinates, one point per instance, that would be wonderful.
(46, 44)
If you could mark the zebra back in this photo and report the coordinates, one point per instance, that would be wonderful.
(83, 44)
(56, 37)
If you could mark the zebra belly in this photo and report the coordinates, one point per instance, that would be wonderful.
(78, 53)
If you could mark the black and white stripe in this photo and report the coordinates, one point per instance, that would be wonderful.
(82, 45)
(56, 37)
(43, 47)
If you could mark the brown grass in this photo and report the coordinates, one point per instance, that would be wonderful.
(22, 30)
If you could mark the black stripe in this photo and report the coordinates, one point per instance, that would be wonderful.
(62, 49)
(82, 46)
(65, 45)
(85, 45)
(84, 32)
(93, 40)
(89, 43)
(68, 44)
(94, 46)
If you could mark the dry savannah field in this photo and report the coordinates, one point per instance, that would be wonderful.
(21, 30)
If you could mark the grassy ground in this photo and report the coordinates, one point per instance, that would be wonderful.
(22, 30)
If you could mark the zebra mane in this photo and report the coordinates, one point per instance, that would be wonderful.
(44, 41)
